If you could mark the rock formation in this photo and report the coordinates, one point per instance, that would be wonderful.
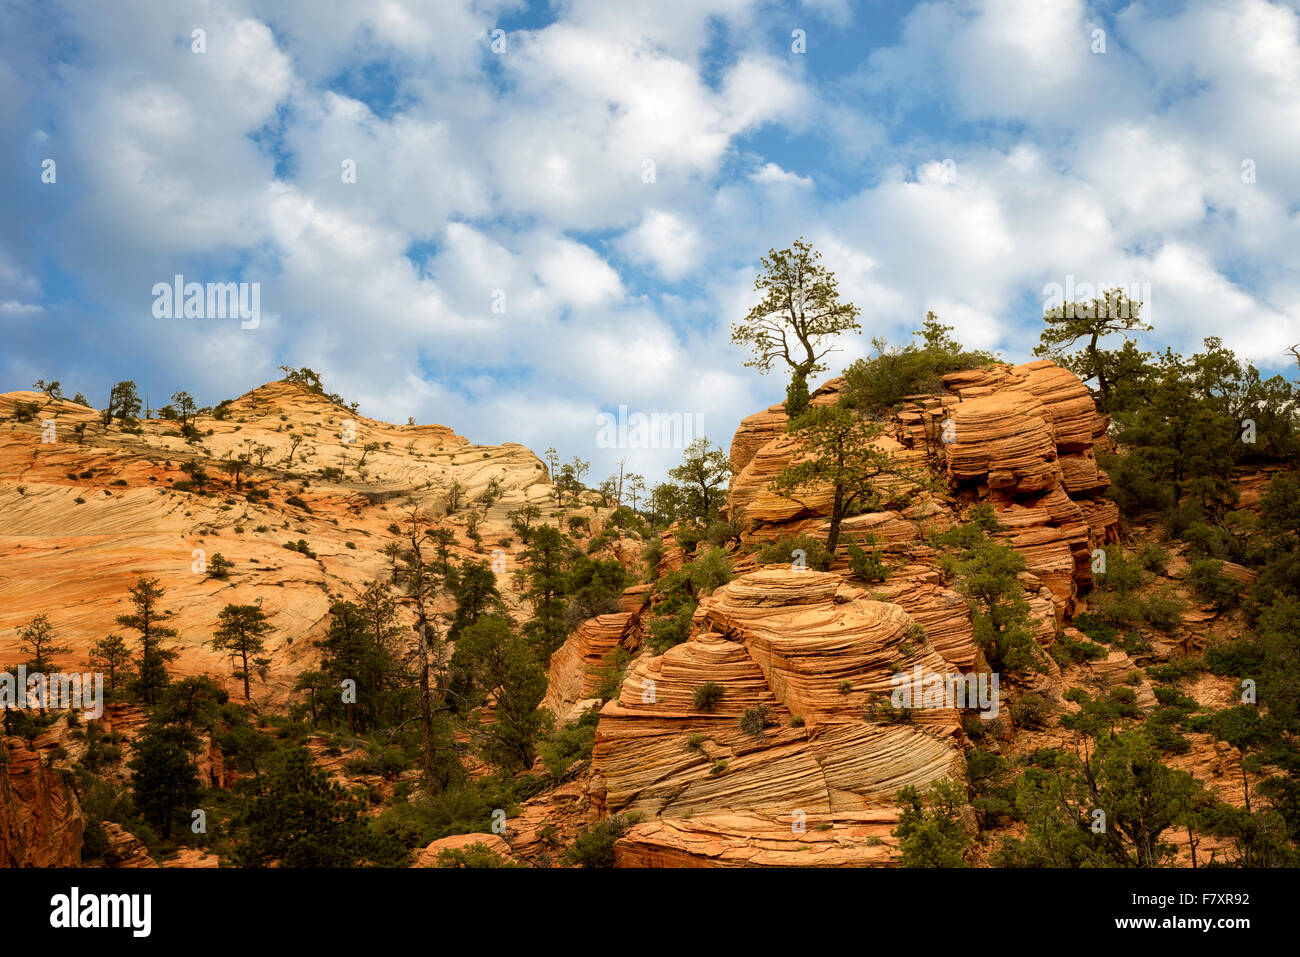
(41, 823)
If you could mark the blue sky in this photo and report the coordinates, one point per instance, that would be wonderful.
(955, 156)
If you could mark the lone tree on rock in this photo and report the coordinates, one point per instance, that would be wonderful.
(841, 455)
(704, 469)
(1093, 321)
(800, 309)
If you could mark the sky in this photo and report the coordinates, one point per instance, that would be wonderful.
(510, 218)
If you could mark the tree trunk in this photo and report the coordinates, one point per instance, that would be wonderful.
(837, 517)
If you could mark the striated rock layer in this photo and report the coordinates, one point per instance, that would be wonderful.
(1019, 437)
(818, 660)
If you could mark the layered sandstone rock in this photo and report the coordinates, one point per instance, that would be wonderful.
(575, 666)
(41, 823)
(125, 850)
(844, 839)
(1019, 437)
(81, 517)
(816, 660)
(757, 430)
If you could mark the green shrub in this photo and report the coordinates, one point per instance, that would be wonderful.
(754, 720)
(1154, 558)
(1032, 710)
(707, 696)
(1163, 610)
(782, 552)
(473, 855)
(594, 847)
(1216, 589)
(571, 743)
(710, 570)
(866, 565)
(1068, 650)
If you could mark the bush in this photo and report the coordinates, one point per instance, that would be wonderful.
(301, 547)
(473, 855)
(710, 570)
(707, 696)
(609, 676)
(879, 383)
(782, 552)
(866, 565)
(1121, 575)
(687, 537)
(651, 556)
(1154, 558)
(296, 502)
(571, 743)
(1032, 710)
(1216, 589)
(720, 533)
(1163, 611)
(669, 630)
(1068, 650)
(594, 847)
(754, 720)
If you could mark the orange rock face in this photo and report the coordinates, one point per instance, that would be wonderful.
(575, 666)
(1019, 437)
(83, 515)
(814, 658)
(41, 823)
(843, 839)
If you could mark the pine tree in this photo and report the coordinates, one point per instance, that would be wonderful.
(152, 677)
(544, 575)
(37, 639)
(163, 778)
(112, 655)
(242, 632)
(840, 452)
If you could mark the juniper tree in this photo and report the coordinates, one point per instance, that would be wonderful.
(424, 580)
(840, 452)
(704, 469)
(236, 467)
(112, 655)
(500, 665)
(987, 573)
(164, 782)
(1112, 314)
(123, 402)
(53, 391)
(544, 575)
(799, 311)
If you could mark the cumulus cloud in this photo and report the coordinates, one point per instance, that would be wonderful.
(573, 223)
